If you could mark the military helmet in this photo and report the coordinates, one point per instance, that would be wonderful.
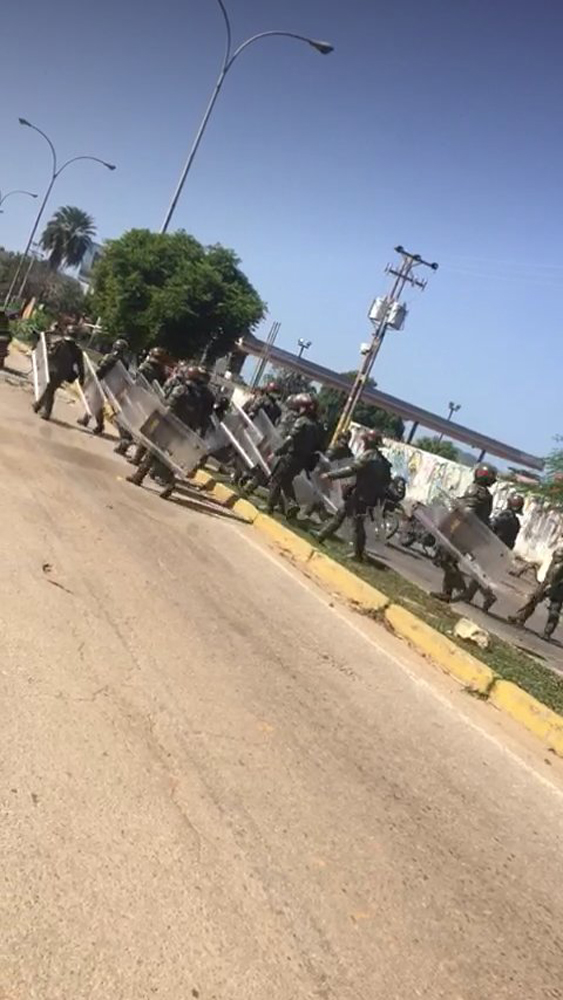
(372, 438)
(305, 401)
(516, 502)
(485, 474)
(291, 402)
(121, 344)
(158, 353)
(190, 372)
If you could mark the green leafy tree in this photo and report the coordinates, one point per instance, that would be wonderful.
(443, 448)
(290, 383)
(551, 487)
(58, 293)
(167, 288)
(67, 237)
(331, 402)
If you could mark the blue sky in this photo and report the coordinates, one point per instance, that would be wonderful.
(434, 125)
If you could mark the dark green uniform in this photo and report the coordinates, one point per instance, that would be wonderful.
(184, 401)
(551, 590)
(297, 453)
(266, 402)
(66, 364)
(479, 499)
(372, 475)
(506, 526)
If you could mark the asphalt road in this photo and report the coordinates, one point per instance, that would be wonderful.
(217, 783)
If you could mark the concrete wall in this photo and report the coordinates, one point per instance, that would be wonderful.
(429, 475)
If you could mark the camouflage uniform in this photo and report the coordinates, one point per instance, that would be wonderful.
(66, 364)
(185, 403)
(552, 590)
(298, 452)
(372, 474)
(506, 526)
(477, 498)
(264, 401)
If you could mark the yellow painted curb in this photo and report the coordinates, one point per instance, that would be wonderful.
(530, 713)
(453, 660)
(246, 510)
(286, 539)
(341, 580)
(203, 479)
(223, 494)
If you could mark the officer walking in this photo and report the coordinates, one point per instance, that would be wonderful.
(153, 368)
(337, 452)
(372, 476)
(551, 590)
(118, 353)
(506, 524)
(265, 400)
(298, 452)
(479, 499)
(66, 364)
(184, 401)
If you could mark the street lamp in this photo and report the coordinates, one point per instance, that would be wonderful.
(452, 408)
(4, 197)
(303, 345)
(55, 172)
(323, 47)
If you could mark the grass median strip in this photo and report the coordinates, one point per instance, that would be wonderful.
(504, 660)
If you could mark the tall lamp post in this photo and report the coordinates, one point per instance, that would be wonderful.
(4, 197)
(303, 345)
(452, 408)
(323, 47)
(56, 171)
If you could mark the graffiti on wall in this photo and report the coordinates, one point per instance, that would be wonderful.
(430, 476)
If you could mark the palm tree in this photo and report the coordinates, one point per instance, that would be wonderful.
(68, 236)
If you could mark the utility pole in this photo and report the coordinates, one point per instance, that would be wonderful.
(263, 362)
(386, 313)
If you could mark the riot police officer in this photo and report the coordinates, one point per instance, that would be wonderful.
(371, 473)
(479, 499)
(184, 401)
(265, 400)
(118, 353)
(66, 364)
(506, 524)
(551, 590)
(297, 453)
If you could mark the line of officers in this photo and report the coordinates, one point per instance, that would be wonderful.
(369, 480)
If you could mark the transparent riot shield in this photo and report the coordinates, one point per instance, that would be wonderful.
(40, 367)
(245, 438)
(91, 392)
(270, 437)
(116, 384)
(479, 552)
(166, 437)
(135, 407)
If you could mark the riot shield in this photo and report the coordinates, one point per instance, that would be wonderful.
(116, 383)
(91, 392)
(479, 552)
(40, 367)
(180, 448)
(245, 438)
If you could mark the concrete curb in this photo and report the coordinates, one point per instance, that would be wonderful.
(474, 675)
